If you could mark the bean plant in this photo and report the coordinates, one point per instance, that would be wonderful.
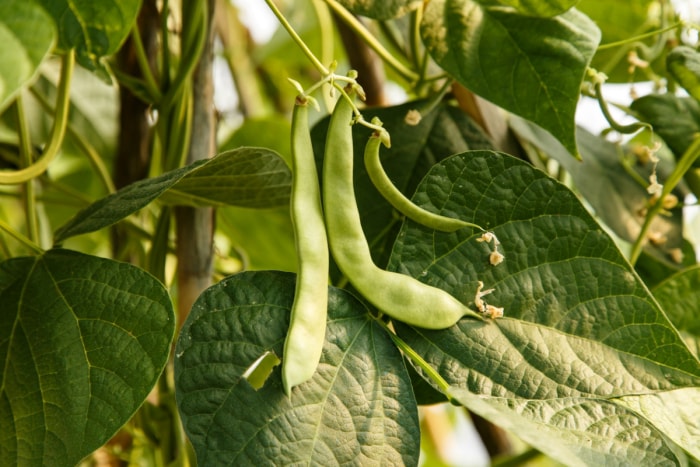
(406, 213)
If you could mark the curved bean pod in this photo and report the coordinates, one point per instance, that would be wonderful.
(401, 203)
(397, 295)
(307, 326)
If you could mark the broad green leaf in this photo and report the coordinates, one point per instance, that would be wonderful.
(82, 342)
(578, 322)
(357, 409)
(94, 29)
(27, 35)
(532, 67)
(679, 296)
(380, 9)
(115, 207)
(441, 131)
(245, 177)
(617, 198)
(579, 432)
(684, 65)
(675, 119)
(538, 7)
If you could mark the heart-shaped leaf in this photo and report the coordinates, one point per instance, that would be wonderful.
(357, 409)
(94, 29)
(535, 65)
(27, 35)
(578, 323)
(83, 340)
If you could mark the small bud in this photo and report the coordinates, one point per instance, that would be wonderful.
(657, 238)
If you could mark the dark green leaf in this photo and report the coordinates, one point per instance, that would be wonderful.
(357, 409)
(245, 177)
(249, 177)
(617, 198)
(578, 325)
(115, 207)
(94, 29)
(380, 9)
(27, 35)
(532, 67)
(82, 340)
(675, 119)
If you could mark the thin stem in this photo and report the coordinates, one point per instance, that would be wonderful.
(408, 74)
(57, 132)
(25, 152)
(84, 146)
(624, 129)
(640, 37)
(20, 238)
(298, 40)
(684, 164)
(142, 58)
(443, 385)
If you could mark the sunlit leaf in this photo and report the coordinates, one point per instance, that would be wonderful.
(532, 67)
(579, 326)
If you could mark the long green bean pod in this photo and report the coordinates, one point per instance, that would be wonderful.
(307, 326)
(401, 203)
(397, 295)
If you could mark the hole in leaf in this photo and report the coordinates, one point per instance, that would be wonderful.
(258, 372)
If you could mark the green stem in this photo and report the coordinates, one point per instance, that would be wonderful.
(640, 37)
(20, 238)
(25, 152)
(83, 145)
(298, 40)
(684, 164)
(142, 58)
(624, 129)
(57, 132)
(408, 74)
(407, 350)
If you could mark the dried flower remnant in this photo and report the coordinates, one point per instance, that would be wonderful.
(496, 257)
(494, 312)
(491, 311)
(413, 117)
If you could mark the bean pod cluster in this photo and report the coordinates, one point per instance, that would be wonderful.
(335, 224)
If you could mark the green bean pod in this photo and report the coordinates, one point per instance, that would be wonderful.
(401, 203)
(307, 326)
(400, 296)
